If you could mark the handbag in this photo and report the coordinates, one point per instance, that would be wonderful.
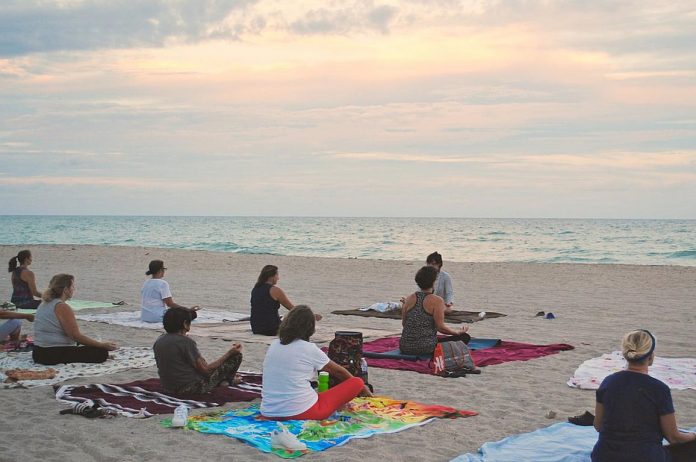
(452, 358)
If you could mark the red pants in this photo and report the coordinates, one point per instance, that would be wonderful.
(332, 399)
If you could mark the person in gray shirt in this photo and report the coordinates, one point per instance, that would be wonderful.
(443, 283)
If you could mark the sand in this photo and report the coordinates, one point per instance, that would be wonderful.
(594, 305)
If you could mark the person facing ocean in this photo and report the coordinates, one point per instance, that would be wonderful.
(155, 296)
(634, 411)
(443, 284)
(23, 282)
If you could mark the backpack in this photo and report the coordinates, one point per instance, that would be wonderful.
(346, 350)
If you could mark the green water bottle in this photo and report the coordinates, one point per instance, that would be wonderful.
(323, 381)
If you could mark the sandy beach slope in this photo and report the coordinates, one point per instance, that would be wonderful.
(594, 306)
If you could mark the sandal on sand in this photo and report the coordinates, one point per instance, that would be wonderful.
(584, 420)
(540, 313)
(120, 302)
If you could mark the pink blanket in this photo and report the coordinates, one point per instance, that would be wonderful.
(503, 353)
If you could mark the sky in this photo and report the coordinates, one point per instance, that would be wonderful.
(440, 108)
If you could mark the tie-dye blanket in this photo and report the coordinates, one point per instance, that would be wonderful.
(361, 418)
(132, 318)
(145, 398)
(119, 360)
(677, 373)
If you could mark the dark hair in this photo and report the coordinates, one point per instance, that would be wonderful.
(174, 319)
(155, 267)
(425, 277)
(434, 258)
(267, 272)
(298, 323)
(20, 258)
(57, 286)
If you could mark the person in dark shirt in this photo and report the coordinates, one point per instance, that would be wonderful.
(634, 411)
(23, 282)
(181, 367)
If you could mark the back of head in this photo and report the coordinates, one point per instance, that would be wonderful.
(57, 286)
(434, 258)
(267, 272)
(21, 257)
(425, 277)
(175, 318)
(299, 323)
(638, 345)
(155, 267)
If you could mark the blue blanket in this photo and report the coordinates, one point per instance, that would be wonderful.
(474, 344)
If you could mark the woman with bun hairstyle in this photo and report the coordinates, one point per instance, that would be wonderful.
(156, 297)
(23, 282)
(57, 337)
(634, 411)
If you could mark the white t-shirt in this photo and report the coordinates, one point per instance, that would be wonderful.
(152, 305)
(287, 371)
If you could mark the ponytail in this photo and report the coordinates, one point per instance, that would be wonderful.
(18, 260)
(267, 272)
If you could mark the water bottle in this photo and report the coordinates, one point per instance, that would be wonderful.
(363, 370)
(323, 381)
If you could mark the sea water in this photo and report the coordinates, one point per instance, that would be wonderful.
(645, 242)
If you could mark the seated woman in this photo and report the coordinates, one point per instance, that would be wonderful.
(634, 411)
(266, 298)
(181, 367)
(155, 296)
(10, 329)
(291, 363)
(23, 282)
(56, 334)
(423, 316)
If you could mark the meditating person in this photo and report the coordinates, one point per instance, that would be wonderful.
(23, 282)
(155, 296)
(181, 367)
(266, 298)
(423, 316)
(12, 327)
(57, 337)
(443, 284)
(291, 363)
(634, 411)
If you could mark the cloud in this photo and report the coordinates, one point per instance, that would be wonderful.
(350, 18)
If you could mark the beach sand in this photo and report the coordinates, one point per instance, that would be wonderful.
(594, 305)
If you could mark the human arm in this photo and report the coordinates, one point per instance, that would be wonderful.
(341, 374)
(598, 416)
(448, 293)
(28, 277)
(14, 315)
(278, 295)
(206, 369)
(169, 301)
(668, 424)
(67, 320)
(438, 306)
(407, 303)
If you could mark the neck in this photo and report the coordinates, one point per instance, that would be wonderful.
(642, 367)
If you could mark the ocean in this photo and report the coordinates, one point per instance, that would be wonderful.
(643, 242)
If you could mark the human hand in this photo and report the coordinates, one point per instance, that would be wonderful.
(366, 393)
(317, 317)
(449, 305)
(464, 330)
(402, 299)
(236, 348)
(30, 318)
(110, 346)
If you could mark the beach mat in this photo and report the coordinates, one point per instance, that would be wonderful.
(504, 352)
(132, 318)
(474, 344)
(455, 317)
(360, 418)
(78, 305)
(677, 373)
(119, 360)
(128, 399)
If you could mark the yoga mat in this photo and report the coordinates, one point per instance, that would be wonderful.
(455, 317)
(360, 418)
(128, 399)
(132, 318)
(78, 305)
(474, 344)
(241, 332)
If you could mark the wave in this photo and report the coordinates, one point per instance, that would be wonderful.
(683, 254)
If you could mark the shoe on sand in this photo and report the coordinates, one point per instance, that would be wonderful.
(285, 440)
(180, 416)
(540, 313)
(585, 419)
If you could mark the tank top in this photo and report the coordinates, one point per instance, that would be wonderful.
(47, 329)
(419, 335)
(264, 310)
(21, 293)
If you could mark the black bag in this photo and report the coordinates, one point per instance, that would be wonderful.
(346, 350)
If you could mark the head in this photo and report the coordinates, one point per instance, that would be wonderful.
(638, 347)
(59, 286)
(425, 277)
(434, 260)
(176, 320)
(269, 273)
(22, 258)
(155, 267)
(298, 323)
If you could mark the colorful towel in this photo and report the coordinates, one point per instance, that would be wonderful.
(361, 418)
(474, 344)
(454, 317)
(145, 398)
(77, 305)
(504, 352)
(119, 360)
(132, 318)
(677, 373)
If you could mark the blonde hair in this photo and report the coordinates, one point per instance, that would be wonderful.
(57, 286)
(637, 345)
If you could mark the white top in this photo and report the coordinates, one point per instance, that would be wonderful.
(287, 371)
(443, 287)
(152, 305)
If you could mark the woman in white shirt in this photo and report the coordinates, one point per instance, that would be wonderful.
(156, 297)
(291, 363)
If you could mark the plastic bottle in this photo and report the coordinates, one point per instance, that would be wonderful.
(323, 381)
(363, 370)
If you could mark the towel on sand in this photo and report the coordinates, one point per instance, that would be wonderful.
(455, 317)
(78, 305)
(677, 373)
(361, 418)
(132, 318)
(128, 399)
